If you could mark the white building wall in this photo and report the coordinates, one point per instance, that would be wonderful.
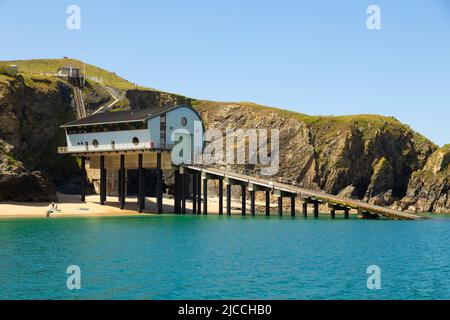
(122, 139)
(148, 138)
(173, 119)
(153, 125)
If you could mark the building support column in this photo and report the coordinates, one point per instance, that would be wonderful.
(244, 203)
(123, 181)
(83, 179)
(143, 189)
(199, 193)
(176, 192)
(205, 196)
(229, 199)
(252, 202)
(305, 209)
(119, 186)
(105, 182)
(280, 206)
(141, 184)
(220, 196)
(159, 182)
(194, 194)
(183, 193)
(102, 180)
(293, 205)
(267, 202)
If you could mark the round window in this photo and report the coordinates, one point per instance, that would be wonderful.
(95, 143)
(183, 121)
(135, 141)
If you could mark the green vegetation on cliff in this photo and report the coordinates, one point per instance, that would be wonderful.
(49, 67)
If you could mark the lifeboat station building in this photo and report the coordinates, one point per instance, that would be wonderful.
(112, 144)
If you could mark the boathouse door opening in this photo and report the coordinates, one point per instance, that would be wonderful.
(150, 178)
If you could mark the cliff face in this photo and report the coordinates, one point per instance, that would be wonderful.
(141, 99)
(369, 157)
(429, 188)
(31, 110)
(364, 157)
(16, 183)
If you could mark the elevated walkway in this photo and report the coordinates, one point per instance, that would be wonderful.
(308, 196)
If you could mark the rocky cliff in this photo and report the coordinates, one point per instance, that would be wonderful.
(366, 157)
(429, 188)
(369, 157)
(31, 110)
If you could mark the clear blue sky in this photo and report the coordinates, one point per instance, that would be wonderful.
(314, 57)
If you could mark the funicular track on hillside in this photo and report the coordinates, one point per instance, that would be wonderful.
(78, 103)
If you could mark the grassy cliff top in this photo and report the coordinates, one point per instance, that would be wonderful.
(445, 148)
(40, 82)
(48, 67)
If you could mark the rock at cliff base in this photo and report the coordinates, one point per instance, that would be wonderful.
(26, 187)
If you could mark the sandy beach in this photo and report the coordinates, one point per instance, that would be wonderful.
(70, 205)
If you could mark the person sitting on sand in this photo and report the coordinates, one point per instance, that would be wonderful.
(52, 209)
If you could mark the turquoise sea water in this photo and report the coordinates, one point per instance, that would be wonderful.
(220, 257)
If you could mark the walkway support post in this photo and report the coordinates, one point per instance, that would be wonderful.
(280, 205)
(220, 196)
(292, 205)
(122, 181)
(252, 202)
(333, 213)
(199, 193)
(347, 213)
(158, 184)
(229, 199)
(243, 209)
(205, 196)
(267, 202)
(316, 209)
(305, 209)
(194, 194)
(83, 179)
(102, 180)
